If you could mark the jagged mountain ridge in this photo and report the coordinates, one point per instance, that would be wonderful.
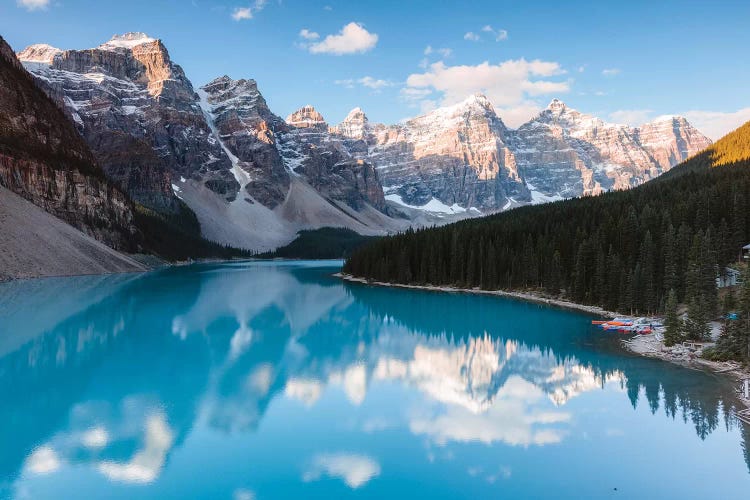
(224, 152)
(218, 149)
(138, 112)
(464, 155)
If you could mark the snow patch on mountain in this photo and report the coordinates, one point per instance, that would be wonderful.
(127, 41)
(240, 175)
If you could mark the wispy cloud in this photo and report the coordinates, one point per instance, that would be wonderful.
(443, 52)
(243, 13)
(33, 4)
(352, 39)
(510, 85)
(375, 84)
(716, 124)
(631, 117)
(355, 470)
(611, 72)
(308, 35)
(498, 35)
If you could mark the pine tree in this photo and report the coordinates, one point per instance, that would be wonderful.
(696, 326)
(672, 322)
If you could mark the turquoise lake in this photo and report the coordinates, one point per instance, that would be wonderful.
(257, 380)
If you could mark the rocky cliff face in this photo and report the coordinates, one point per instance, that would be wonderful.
(564, 153)
(45, 160)
(327, 163)
(245, 128)
(456, 155)
(138, 112)
(463, 156)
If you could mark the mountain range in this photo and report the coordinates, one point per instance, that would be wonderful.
(254, 179)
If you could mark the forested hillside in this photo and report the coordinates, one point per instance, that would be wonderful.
(621, 250)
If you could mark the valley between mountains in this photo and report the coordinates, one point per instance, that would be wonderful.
(217, 154)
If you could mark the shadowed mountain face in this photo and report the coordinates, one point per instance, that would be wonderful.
(314, 385)
(44, 159)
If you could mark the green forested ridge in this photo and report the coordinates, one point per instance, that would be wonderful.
(178, 237)
(323, 243)
(621, 250)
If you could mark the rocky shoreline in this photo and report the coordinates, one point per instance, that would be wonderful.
(642, 345)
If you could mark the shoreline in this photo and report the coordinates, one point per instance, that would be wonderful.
(640, 345)
(525, 296)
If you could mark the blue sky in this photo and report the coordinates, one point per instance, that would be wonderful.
(623, 61)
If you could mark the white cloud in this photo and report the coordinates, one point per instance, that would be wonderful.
(348, 82)
(33, 4)
(713, 124)
(354, 470)
(499, 35)
(95, 438)
(510, 85)
(305, 390)
(352, 39)
(243, 13)
(581, 68)
(376, 84)
(308, 35)
(411, 93)
(514, 419)
(611, 72)
(43, 461)
(444, 52)
(632, 117)
(716, 124)
(145, 465)
(243, 494)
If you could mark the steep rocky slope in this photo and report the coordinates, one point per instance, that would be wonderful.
(35, 243)
(456, 155)
(220, 149)
(564, 153)
(45, 160)
(139, 114)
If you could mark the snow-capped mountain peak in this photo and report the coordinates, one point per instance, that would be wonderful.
(556, 106)
(355, 125)
(127, 41)
(41, 53)
(477, 100)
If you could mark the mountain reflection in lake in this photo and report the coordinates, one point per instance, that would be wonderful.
(269, 380)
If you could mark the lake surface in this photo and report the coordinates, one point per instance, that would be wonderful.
(276, 380)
